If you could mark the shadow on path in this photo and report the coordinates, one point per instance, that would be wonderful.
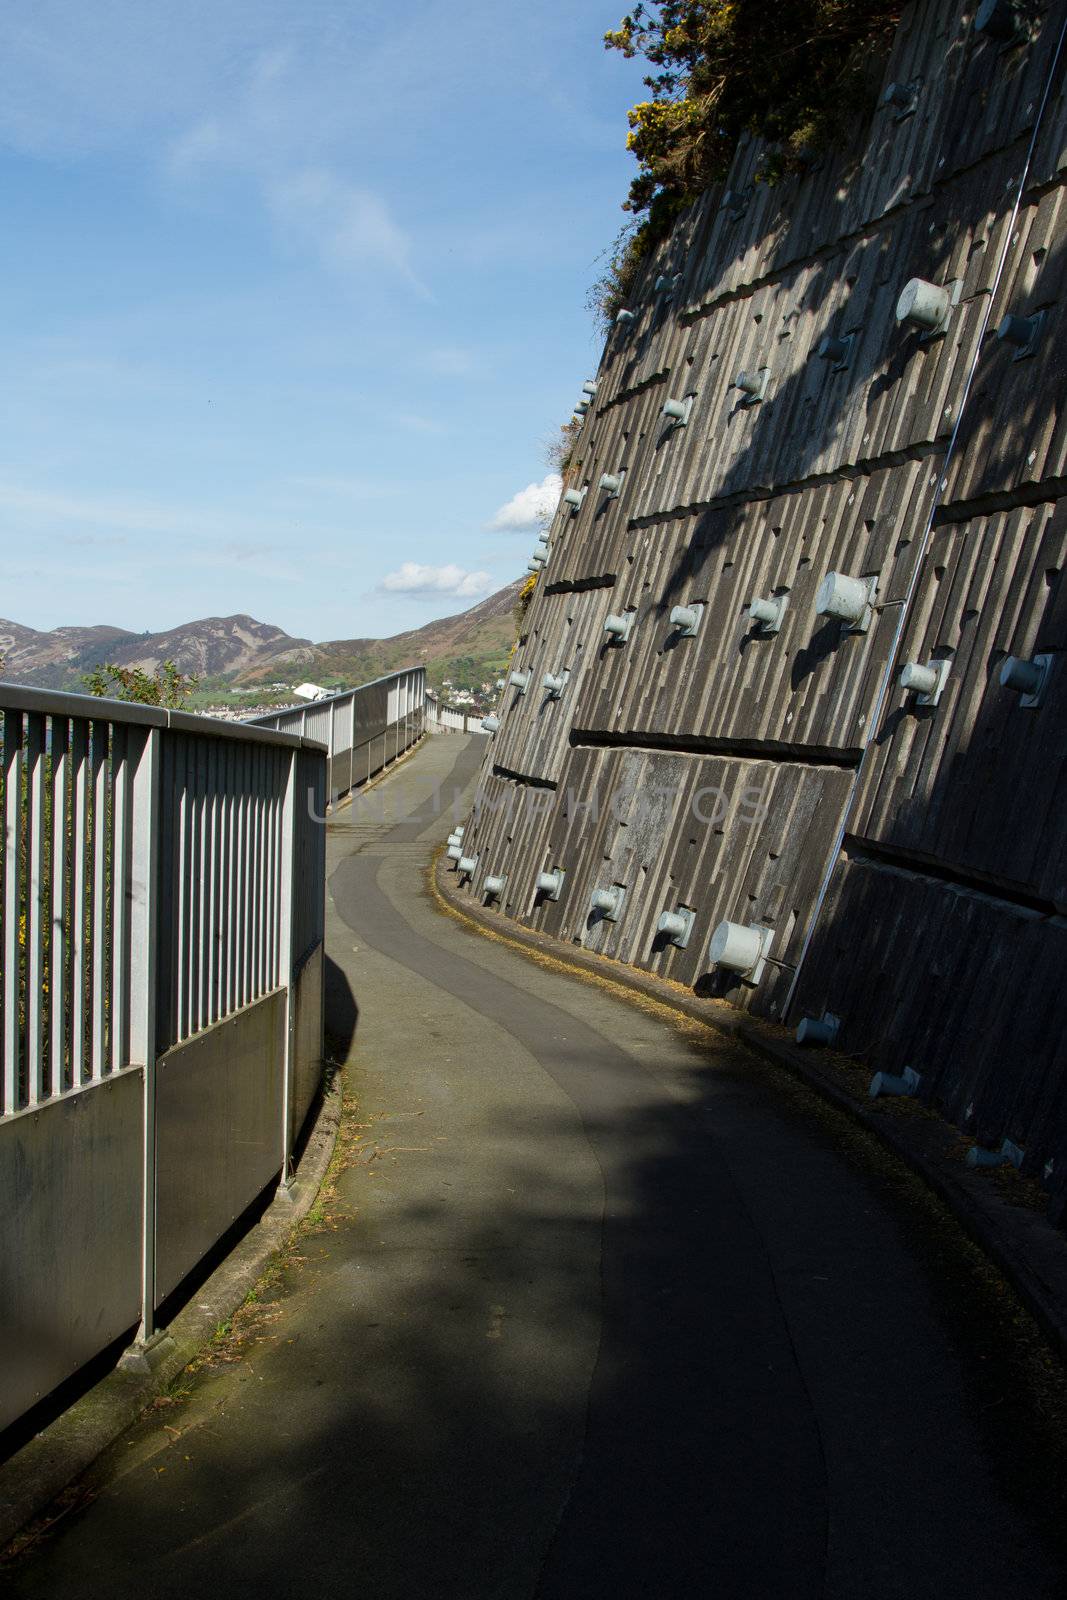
(604, 1309)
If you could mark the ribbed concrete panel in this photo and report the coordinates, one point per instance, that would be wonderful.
(1049, 161)
(966, 989)
(807, 687)
(726, 838)
(506, 832)
(844, 464)
(976, 782)
(898, 390)
(1014, 433)
(973, 98)
(593, 543)
(565, 634)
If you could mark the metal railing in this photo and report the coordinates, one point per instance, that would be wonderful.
(162, 887)
(446, 719)
(363, 729)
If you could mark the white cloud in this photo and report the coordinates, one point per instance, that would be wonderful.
(414, 578)
(414, 423)
(280, 130)
(450, 361)
(532, 507)
(347, 226)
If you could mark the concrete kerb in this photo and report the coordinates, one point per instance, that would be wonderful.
(32, 1478)
(1023, 1245)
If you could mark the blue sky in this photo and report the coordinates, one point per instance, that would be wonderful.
(293, 297)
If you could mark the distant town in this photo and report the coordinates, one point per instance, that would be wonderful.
(242, 705)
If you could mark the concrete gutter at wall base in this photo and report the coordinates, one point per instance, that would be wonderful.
(32, 1478)
(1015, 1235)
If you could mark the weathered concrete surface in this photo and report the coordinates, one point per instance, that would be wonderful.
(615, 1310)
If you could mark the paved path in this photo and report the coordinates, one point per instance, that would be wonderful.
(610, 1309)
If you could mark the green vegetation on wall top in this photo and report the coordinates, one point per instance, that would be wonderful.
(797, 75)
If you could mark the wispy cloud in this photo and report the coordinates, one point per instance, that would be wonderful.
(276, 120)
(341, 488)
(133, 516)
(531, 507)
(413, 578)
(347, 226)
(450, 361)
(205, 536)
(414, 423)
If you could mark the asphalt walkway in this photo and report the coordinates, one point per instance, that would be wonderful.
(602, 1307)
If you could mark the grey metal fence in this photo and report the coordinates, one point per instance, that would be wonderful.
(363, 729)
(444, 719)
(162, 892)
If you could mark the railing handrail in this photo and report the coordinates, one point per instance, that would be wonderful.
(62, 703)
(329, 699)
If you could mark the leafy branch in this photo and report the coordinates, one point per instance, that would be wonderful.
(167, 686)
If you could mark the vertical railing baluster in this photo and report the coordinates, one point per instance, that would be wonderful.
(98, 964)
(275, 972)
(258, 932)
(60, 1004)
(179, 757)
(12, 951)
(233, 830)
(242, 880)
(214, 879)
(145, 871)
(35, 908)
(286, 879)
(268, 870)
(265, 871)
(121, 739)
(197, 867)
(80, 859)
(226, 884)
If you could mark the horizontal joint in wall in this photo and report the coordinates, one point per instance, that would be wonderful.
(1043, 491)
(600, 580)
(916, 864)
(528, 779)
(635, 389)
(777, 751)
(752, 494)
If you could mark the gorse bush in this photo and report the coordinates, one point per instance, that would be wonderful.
(797, 74)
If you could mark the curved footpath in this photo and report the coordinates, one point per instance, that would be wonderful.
(604, 1306)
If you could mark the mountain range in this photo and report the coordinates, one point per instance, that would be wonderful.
(240, 652)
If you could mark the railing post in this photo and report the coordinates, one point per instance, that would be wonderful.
(352, 741)
(287, 955)
(144, 910)
(332, 787)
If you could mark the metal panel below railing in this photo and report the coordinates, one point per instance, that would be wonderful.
(71, 1195)
(307, 1033)
(218, 1132)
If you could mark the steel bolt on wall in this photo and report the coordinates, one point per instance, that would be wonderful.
(809, 763)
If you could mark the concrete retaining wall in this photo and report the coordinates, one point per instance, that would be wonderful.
(908, 860)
